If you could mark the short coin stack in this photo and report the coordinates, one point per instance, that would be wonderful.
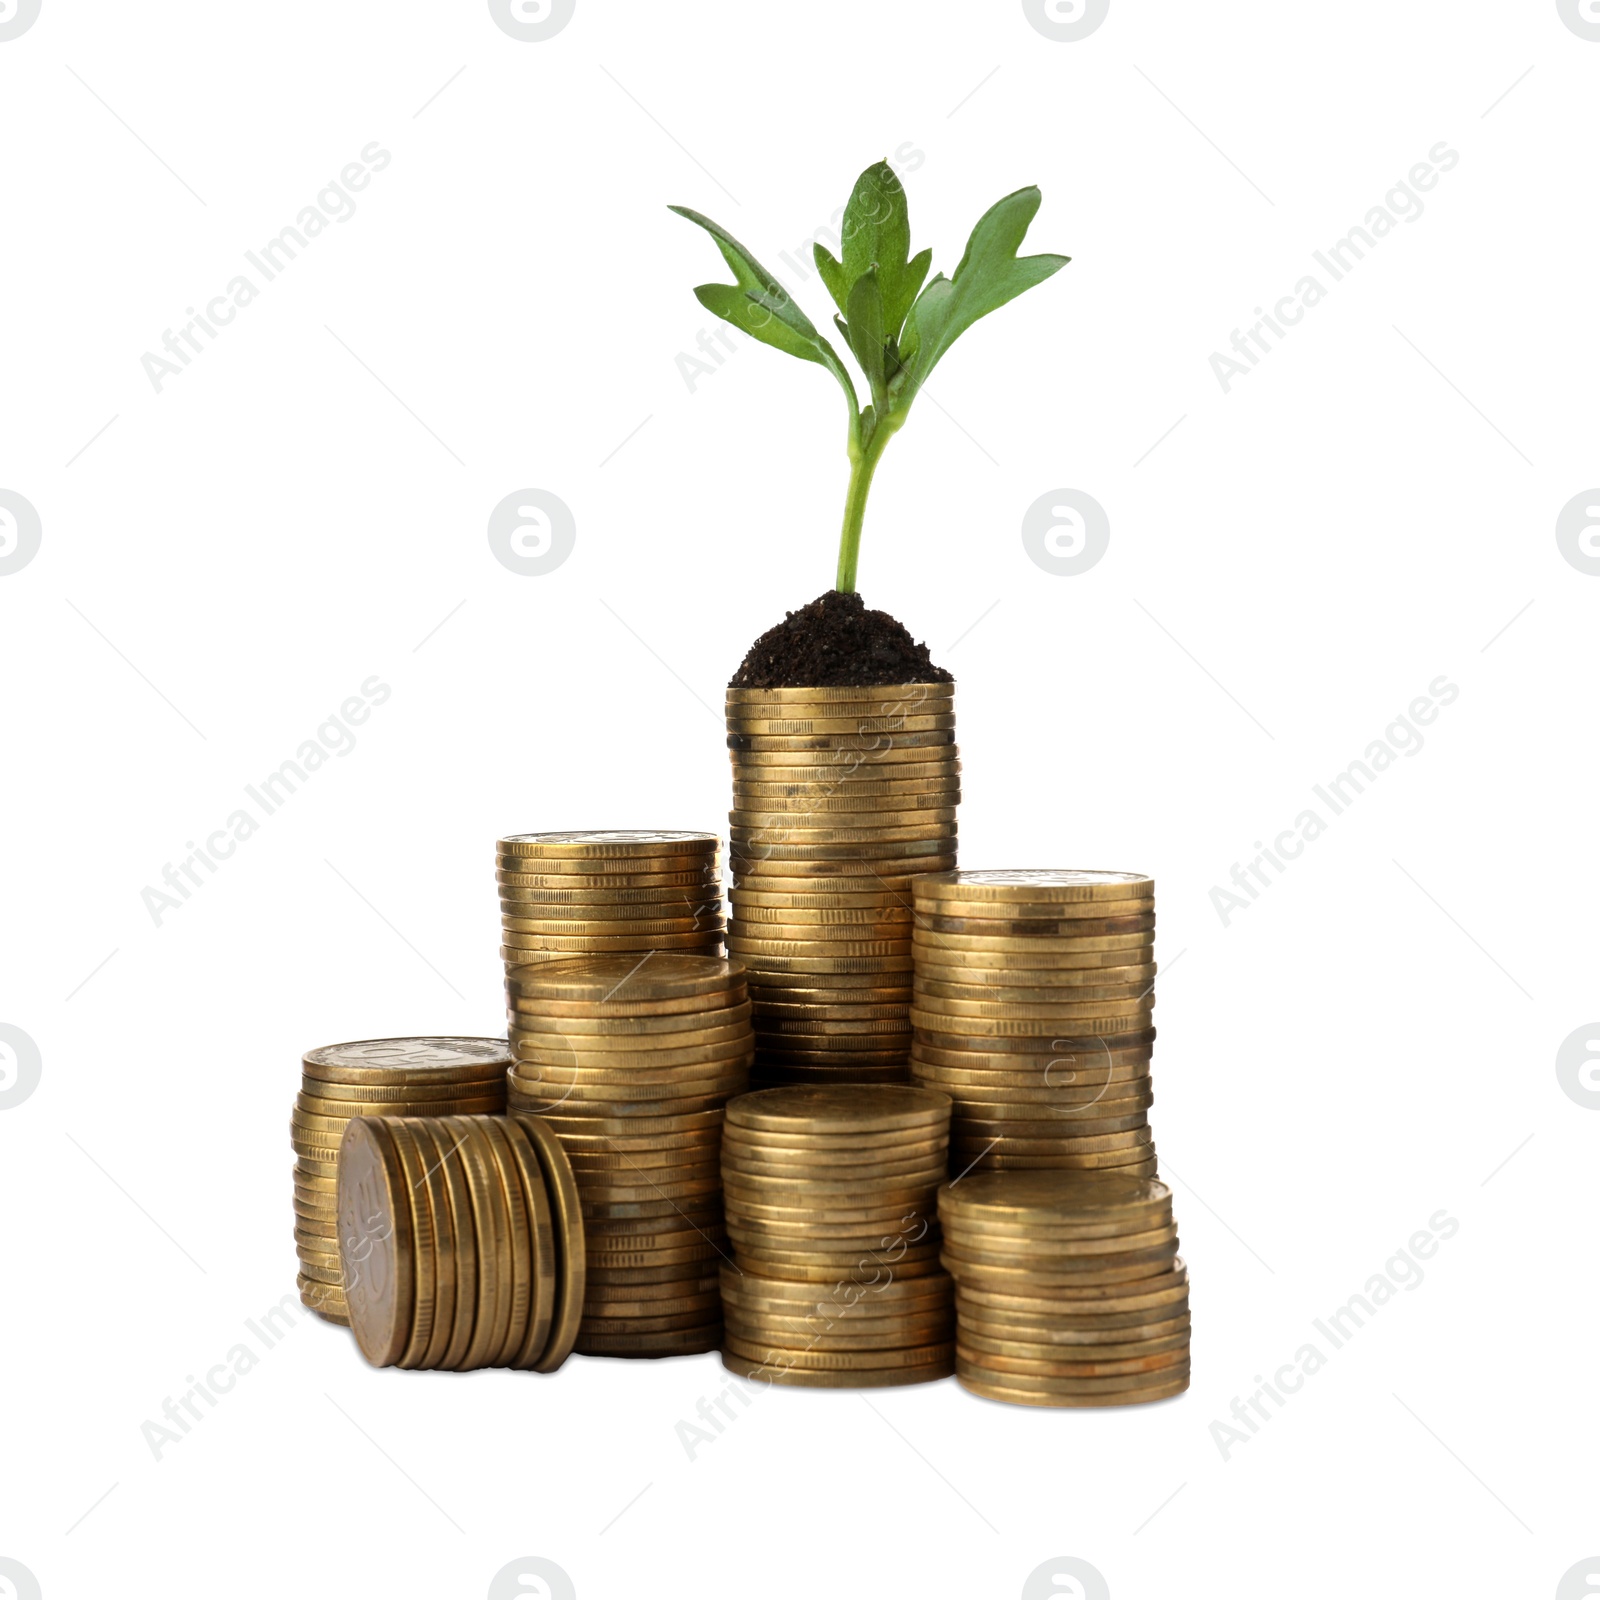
(565, 894)
(372, 1078)
(630, 1060)
(461, 1242)
(1069, 1288)
(1034, 994)
(832, 1197)
(840, 795)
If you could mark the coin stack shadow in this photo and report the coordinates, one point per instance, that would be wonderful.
(840, 796)
(1069, 1288)
(1034, 995)
(831, 1197)
(608, 892)
(372, 1078)
(461, 1243)
(630, 1061)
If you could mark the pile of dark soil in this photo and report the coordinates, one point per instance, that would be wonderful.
(833, 642)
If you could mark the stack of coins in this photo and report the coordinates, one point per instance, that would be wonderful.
(1034, 993)
(630, 1060)
(1069, 1288)
(565, 894)
(840, 796)
(461, 1242)
(831, 1193)
(372, 1078)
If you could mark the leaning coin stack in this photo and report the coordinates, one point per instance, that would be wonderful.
(1034, 994)
(630, 1061)
(840, 796)
(565, 894)
(461, 1242)
(1069, 1288)
(372, 1078)
(831, 1194)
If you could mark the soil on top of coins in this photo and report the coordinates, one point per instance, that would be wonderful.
(835, 642)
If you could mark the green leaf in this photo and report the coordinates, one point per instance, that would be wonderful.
(832, 273)
(865, 332)
(762, 307)
(990, 274)
(877, 233)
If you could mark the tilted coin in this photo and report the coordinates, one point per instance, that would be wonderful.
(375, 1242)
(567, 1226)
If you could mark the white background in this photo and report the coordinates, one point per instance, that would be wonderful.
(1374, 506)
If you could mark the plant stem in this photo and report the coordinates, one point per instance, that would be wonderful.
(863, 463)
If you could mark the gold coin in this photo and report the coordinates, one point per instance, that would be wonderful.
(1065, 1006)
(688, 1005)
(522, 1241)
(520, 931)
(481, 1096)
(542, 1246)
(935, 1330)
(1008, 1001)
(776, 1371)
(747, 724)
(1101, 1020)
(1038, 885)
(601, 978)
(491, 1231)
(1071, 1295)
(634, 1302)
(555, 945)
(1025, 1251)
(792, 1135)
(850, 775)
(564, 1124)
(1169, 1290)
(1058, 1199)
(375, 1242)
(553, 1062)
(607, 843)
(566, 1206)
(680, 1342)
(455, 1218)
(551, 877)
(352, 1098)
(1075, 928)
(404, 1061)
(846, 799)
(715, 1019)
(806, 825)
(427, 1251)
(808, 917)
(841, 1360)
(924, 836)
(1079, 1395)
(1030, 917)
(447, 1244)
(771, 875)
(820, 898)
(580, 901)
(1024, 953)
(852, 1110)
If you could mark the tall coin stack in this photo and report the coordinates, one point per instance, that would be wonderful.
(611, 892)
(832, 1212)
(461, 1242)
(840, 797)
(1034, 994)
(630, 1061)
(372, 1078)
(1069, 1288)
